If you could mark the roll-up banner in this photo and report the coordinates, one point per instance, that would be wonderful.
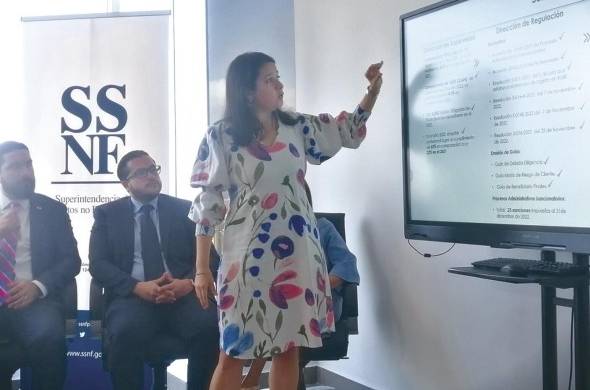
(95, 87)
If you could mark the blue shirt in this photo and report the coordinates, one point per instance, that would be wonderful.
(137, 271)
(341, 262)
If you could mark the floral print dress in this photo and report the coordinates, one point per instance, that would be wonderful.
(273, 287)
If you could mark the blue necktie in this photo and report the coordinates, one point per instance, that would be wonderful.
(151, 252)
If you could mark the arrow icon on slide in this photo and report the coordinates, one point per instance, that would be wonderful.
(586, 37)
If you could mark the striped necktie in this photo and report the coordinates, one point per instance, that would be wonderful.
(7, 259)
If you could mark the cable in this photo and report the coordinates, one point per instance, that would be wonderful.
(430, 254)
(569, 386)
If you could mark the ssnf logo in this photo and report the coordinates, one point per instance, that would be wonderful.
(93, 145)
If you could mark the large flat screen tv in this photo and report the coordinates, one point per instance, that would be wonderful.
(496, 123)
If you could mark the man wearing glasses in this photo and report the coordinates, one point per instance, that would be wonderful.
(142, 250)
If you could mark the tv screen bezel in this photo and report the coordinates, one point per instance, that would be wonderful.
(572, 239)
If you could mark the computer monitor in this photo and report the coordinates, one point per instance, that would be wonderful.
(496, 123)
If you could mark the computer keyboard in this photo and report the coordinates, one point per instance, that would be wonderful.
(533, 266)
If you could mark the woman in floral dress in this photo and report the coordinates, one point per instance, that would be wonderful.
(272, 283)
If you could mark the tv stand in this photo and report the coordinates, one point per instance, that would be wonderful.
(549, 303)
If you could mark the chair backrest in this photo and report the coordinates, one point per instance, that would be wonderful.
(337, 220)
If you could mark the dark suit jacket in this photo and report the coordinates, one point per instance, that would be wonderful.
(112, 242)
(54, 252)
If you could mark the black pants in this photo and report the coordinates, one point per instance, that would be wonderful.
(40, 330)
(132, 323)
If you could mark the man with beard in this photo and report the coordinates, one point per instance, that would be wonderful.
(38, 258)
(142, 250)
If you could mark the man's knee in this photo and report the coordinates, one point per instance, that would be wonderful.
(39, 326)
(210, 332)
(127, 324)
(206, 331)
(127, 332)
(46, 338)
(198, 323)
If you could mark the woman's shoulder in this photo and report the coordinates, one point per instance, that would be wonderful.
(220, 132)
(218, 127)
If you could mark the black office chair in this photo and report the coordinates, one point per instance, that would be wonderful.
(335, 345)
(13, 355)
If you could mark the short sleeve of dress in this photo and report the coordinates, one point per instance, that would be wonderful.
(211, 175)
(325, 135)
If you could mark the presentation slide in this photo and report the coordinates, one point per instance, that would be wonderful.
(498, 111)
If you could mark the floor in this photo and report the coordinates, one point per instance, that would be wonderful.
(177, 378)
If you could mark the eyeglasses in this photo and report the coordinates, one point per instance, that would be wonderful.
(153, 170)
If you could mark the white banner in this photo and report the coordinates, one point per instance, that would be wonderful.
(95, 88)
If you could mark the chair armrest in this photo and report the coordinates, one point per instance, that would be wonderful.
(69, 299)
(97, 308)
(349, 300)
(97, 301)
(350, 307)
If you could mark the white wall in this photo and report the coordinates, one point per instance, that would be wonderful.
(268, 28)
(420, 327)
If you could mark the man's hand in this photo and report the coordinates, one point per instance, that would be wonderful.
(9, 223)
(152, 289)
(335, 281)
(177, 288)
(22, 294)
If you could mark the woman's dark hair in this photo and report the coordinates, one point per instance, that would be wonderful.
(244, 126)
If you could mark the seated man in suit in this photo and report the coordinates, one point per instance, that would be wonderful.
(142, 250)
(341, 264)
(38, 258)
